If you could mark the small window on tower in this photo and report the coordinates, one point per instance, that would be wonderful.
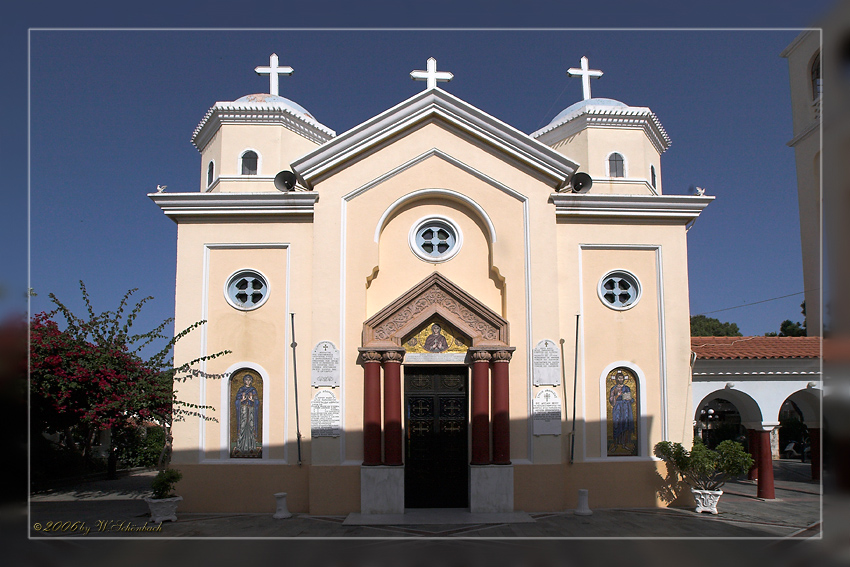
(616, 165)
(210, 173)
(652, 176)
(249, 163)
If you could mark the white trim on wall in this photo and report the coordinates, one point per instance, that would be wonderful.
(210, 182)
(259, 162)
(492, 234)
(662, 339)
(625, 165)
(267, 388)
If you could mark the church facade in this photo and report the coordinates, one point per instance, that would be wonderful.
(432, 309)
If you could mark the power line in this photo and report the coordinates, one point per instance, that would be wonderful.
(753, 303)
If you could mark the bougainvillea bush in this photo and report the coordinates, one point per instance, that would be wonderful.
(88, 375)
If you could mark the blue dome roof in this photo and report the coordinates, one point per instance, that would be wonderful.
(278, 100)
(574, 108)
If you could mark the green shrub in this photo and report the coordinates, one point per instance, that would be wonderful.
(703, 468)
(163, 484)
(140, 446)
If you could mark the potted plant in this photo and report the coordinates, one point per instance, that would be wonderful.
(163, 504)
(706, 470)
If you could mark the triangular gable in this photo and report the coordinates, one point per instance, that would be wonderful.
(435, 295)
(429, 105)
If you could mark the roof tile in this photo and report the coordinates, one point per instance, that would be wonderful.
(756, 347)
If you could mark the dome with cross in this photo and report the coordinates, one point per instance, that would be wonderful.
(276, 100)
(582, 104)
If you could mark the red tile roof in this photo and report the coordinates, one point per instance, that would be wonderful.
(756, 347)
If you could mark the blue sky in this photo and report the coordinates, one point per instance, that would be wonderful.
(112, 113)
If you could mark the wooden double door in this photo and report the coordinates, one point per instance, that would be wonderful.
(436, 464)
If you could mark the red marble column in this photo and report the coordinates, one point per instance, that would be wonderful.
(753, 438)
(392, 407)
(371, 408)
(814, 437)
(481, 408)
(501, 408)
(765, 463)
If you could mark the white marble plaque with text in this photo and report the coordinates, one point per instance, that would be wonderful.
(324, 415)
(546, 413)
(546, 364)
(324, 366)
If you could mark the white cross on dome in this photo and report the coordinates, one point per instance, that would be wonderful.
(273, 71)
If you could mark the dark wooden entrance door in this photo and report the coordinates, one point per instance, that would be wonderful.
(436, 464)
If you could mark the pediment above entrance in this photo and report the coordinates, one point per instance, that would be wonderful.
(434, 105)
(435, 295)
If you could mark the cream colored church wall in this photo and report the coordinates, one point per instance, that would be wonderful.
(212, 151)
(591, 148)
(638, 154)
(275, 145)
(283, 254)
(519, 211)
(653, 336)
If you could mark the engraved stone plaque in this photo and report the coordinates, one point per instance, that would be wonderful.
(546, 364)
(546, 413)
(325, 415)
(324, 367)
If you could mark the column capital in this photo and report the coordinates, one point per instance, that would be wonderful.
(481, 356)
(396, 356)
(502, 355)
(367, 356)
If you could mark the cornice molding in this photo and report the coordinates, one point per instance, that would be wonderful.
(185, 205)
(435, 104)
(633, 117)
(681, 208)
(257, 113)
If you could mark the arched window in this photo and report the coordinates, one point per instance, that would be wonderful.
(817, 84)
(249, 163)
(652, 176)
(210, 173)
(616, 165)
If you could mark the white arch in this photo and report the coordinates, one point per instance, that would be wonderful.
(643, 434)
(608, 164)
(747, 406)
(259, 161)
(224, 449)
(210, 179)
(436, 192)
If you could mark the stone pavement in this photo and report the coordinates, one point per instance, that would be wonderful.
(116, 509)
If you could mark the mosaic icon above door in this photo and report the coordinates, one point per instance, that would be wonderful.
(436, 336)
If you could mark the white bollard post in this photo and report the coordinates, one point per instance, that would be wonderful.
(282, 511)
(583, 509)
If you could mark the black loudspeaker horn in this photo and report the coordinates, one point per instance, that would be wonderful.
(581, 182)
(285, 180)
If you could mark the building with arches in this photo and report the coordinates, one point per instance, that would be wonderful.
(473, 327)
(755, 377)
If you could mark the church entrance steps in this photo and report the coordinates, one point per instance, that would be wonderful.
(432, 516)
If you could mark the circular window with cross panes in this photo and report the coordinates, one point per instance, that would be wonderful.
(619, 290)
(435, 238)
(246, 289)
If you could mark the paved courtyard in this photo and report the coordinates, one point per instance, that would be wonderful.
(116, 509)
